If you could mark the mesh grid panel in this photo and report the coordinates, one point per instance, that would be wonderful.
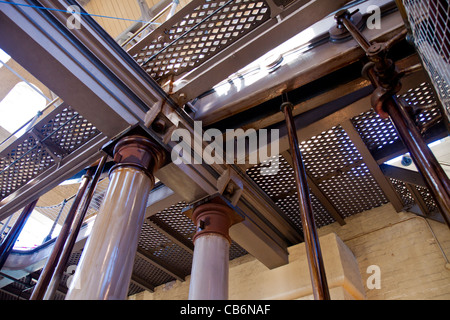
(375, 131)
(59, 134)
(330, 151)
(198, 37)
(430, 24)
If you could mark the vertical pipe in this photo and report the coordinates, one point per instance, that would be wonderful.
(106, 265)
(424, 159)
(49, 236)
(210, 264)
(70, 243)
(13, 234)
(314, 255)
(47, 272)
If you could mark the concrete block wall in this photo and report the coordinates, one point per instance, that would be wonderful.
(411, 254)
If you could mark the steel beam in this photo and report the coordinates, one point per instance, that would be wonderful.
(290, 22)
(315, 59)
(372, 165)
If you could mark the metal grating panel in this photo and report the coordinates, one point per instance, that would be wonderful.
(430, 26)
(150, 273)
(338, 169)
(195, 37)
(378, 133)
(59, 134)
(354, 191)
(174, 218)
(428, 198)
(402, 190)
(329, 152)
(281, 188)
(424, 104)
(375, 131)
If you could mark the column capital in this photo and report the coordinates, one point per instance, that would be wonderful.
(140, 152)
(214, 217)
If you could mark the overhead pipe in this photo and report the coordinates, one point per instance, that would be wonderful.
(310, 235)
(9, 241)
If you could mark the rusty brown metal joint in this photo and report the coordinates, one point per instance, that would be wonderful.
(212, 215)
(138, 152)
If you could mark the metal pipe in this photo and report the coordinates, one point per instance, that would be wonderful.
(70, 243)
(106, 265)
(357, 35)
(47, 272)
(49, 236)
(424, 159)
(9, 241)
(314, 254)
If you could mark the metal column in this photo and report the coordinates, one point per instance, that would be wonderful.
(209, 276)
(106, 265)
(314, 254)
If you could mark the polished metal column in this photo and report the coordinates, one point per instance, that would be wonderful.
(314, 254)
(106, 265)
(209, 275)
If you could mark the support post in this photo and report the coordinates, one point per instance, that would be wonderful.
(70, 243)
(314, 254)
(11, 238)
(210, 264)
(106, 265)
(435, 177)
(52, 261)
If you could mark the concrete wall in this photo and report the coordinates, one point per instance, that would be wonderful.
(408, 251)
(411, 253)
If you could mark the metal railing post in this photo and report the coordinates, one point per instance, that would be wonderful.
(313, 251)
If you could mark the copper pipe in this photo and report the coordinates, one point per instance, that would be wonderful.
(70, 243)
(435, 177)
(314, 254)
(9, 241)
(47, 272)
